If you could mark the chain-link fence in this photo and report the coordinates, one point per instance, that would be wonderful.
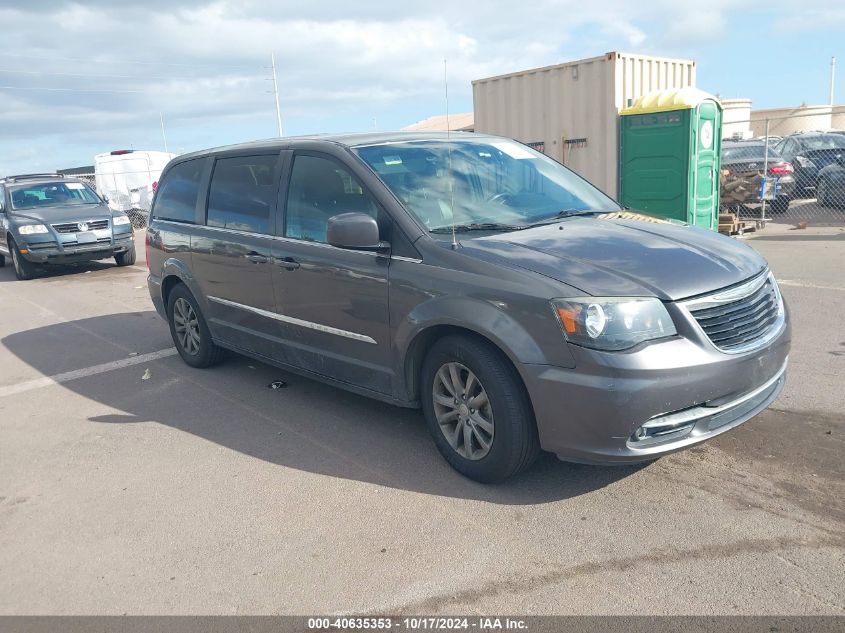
(788, 169)
(135, 202)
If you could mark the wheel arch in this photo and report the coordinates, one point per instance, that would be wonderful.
(426, 337)
(175, 271)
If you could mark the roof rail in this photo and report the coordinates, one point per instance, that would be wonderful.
(31, 177)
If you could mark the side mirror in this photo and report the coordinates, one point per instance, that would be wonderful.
(839, 159)
(2, 205)
(105, 199)
(357, 231)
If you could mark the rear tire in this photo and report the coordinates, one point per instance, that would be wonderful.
(496, 438)
(23, 269)
(189, 330)
(126, 258)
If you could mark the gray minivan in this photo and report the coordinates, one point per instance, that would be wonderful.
(517, 305)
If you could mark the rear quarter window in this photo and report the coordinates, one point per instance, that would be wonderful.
(177, 194)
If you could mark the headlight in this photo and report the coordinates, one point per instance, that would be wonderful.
(613, 323)
(120, 220)
(32, 229)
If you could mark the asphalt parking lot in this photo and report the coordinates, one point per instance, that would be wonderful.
(206, 492)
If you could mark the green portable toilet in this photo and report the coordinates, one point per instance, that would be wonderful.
(670, 141)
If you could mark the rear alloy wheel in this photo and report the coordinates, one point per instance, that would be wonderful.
(23, 269)
(477, 409)
(189, 330)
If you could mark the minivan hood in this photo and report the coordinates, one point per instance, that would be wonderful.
(65, 213)
(625, 257)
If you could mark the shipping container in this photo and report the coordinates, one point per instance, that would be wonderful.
(570, 111)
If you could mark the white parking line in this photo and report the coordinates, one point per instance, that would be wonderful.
(58, 379)
(806, 284)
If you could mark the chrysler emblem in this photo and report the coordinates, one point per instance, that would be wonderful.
(82, 226)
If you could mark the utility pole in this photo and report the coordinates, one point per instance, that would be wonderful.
(832, 77)
(163, 136)
(276, 92)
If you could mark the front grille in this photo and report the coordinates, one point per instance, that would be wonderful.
(738, 318)
(73, 227)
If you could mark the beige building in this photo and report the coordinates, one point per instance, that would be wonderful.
(459, 122)
(784, 121)
(570, 110)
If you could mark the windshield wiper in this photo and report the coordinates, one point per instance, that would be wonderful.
(479, 226)
(568, 213)
(565, 213)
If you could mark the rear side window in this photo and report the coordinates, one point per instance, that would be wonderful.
(243, 193)
(177, 195)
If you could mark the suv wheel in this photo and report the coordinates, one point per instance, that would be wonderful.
(189, 330)
(821, 192)
(23, 269)
(779, 205)
(477, 410)
(127, 257)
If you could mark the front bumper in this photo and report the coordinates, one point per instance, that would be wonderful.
(682, 390)
(56, 252)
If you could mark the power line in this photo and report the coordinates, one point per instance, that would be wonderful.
(67, 89)
(104, 76)
(119, 61)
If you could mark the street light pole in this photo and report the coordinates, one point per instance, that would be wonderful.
(163, 136)
(276, 93)
(832, 77)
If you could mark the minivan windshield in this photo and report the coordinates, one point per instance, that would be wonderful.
(50, 194)
(484, 184)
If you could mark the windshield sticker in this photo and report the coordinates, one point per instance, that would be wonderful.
(514, 150)
(75, 185)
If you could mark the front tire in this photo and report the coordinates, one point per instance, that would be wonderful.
(822, 192)
(189, 330)
(779, 206)
(127, 257)
(23, 269)
(477, 410)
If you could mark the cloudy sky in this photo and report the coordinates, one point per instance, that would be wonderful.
(78, 78)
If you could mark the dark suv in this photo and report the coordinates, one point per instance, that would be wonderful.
(471, 276)
(50, 219)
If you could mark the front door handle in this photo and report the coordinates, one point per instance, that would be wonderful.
(257, 258)
(288, 263)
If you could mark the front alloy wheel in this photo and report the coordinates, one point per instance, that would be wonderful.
(463, 411)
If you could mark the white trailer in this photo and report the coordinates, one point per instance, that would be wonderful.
(128, 178)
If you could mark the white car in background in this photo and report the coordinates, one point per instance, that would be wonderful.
(128, 178)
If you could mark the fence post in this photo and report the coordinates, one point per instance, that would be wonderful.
(765, 178)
